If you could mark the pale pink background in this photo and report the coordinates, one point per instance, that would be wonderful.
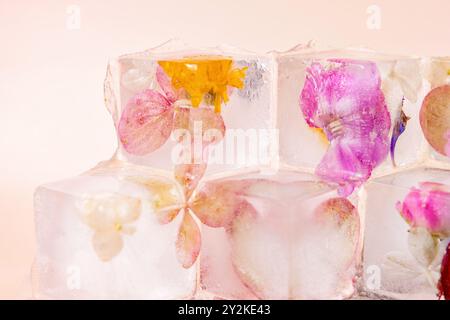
(53, 123)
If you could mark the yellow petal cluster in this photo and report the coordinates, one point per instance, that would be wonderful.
(204, 78)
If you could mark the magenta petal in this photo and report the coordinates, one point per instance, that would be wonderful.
(346, 101)
(146, 123)
(429, 207)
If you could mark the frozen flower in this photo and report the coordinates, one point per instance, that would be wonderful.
(435, 119)
(110, 217)
(428, 206)
(345, 100)
(399, 128)
(208, 78)
(150, 117)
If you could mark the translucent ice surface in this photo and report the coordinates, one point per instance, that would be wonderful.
(82, 259)
(356, 111)
(404, 244)
(245, 114)
(293, 238)
(298, 175)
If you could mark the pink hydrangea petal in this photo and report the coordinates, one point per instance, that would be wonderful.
(217, 203)
(198, 127)
(346, 101)
(428, 206)
(188, 242)
(166, 85)
(167, 215)
(146, 123)
(203, 123)
(189, 175)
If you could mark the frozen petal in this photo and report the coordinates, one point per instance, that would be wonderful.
(428, 206)
(107, 244)
(255, 262)
(127, 209)
(217, 203)
(401, 273)
(338, 216)
(435, 119)
(341, 165)
(346, 101)
(444, 282)
(164, 193)
(106, 212)
(146, 123)
(188, 242)
(189, 175)
(202, 123)
(166, 85)
(166, 216)
(399, 128)
(423, 246)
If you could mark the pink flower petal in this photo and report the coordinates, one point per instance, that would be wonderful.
(146, 123)
(428, 206)
(166, 216)
(202, 123)
(188, 242)
(189, 175)
(217, 203)
(346, 101)
(166, 86)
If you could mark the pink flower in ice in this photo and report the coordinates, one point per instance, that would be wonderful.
(150, 117)
(345, 101)
(428, 206)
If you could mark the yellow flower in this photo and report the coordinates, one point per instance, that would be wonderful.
(204, 79)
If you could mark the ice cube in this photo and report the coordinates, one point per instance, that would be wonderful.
(348, 105)
(133, 87)
(294, 238)
(405, 215)
(80, 255)
(289, 162)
